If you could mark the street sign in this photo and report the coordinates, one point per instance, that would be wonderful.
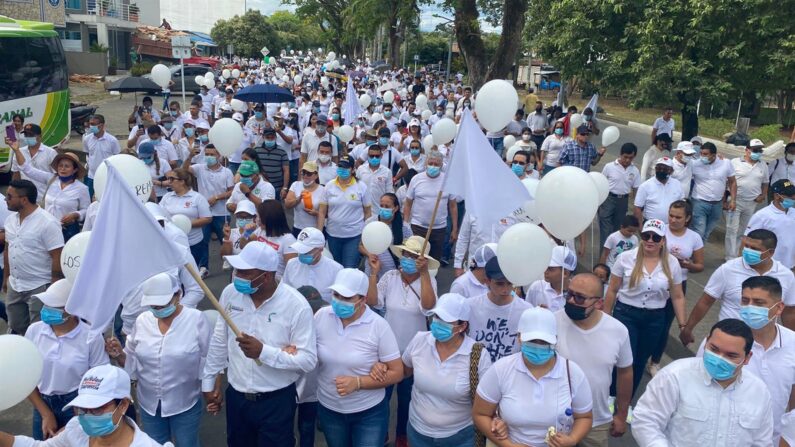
(180, 47)
(265, 51)
(416, 57)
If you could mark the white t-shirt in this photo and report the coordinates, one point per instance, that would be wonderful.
(597, 351)
(618, 244)
(191, 204)
(423, 191)
(327, 173)
(279, 243)
(213, 182)
(710, 180)
(345, 212)
(682, 247)
(725, 285)
(664, 126)
(310, 143)
(781, 223)
(402, 306)
(262, 190)
(750, 177)
(320, 275)
(302, 219)
(379, 182)
(540, 293)
(496, 326)
(468, 286)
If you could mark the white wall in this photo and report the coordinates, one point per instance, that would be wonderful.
(198, 15)
(150, 12)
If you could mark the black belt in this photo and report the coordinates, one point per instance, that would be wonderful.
(618, 196)
(265, 395)
(711, 202)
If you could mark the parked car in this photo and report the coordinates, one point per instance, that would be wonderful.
(191, 71)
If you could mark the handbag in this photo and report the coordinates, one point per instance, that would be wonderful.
(474, 361)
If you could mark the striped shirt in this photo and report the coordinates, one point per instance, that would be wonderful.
(273, 162)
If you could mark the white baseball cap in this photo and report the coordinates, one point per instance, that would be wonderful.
(255, 255)
(756, 142)
(482, 255)
(246, 206)
(350, 282)
(203, 125)
(238, 117)
(452, 307)
(655, 226)
(159, 290)
(538, 323)
(665, 161)
(563, 257)
(414, 122)
(101, 385)
(57, 294)
(686, 147)
(308, 239)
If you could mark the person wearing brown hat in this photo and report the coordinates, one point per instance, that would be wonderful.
(580, 152)
(32, 149)
(64, 197)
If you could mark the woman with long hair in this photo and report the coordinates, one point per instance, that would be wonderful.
(388, 213)
(274, 231)
(184, 200)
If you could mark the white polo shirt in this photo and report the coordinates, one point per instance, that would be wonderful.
(423, 191)
(468, 286)
(66, 358)
(165, 149)
(750, 177)
(319, 276)
(29, 245)
(530, 406)
(310, 143)
(402, 305)
(652, 291)
(684, 173)
(191, 204)
(345, 212)
(351, 351)
(783, 225)
(664, 126)
(213, 182)
(98, 149)
(496, 326)
(541, 294)
(263, 190)
(42, 161)
(379, 182)
(710, 180)
(621, 180)
(655, 197)
(441, 405)
(73, 435)
(597, 351)
(725, 285)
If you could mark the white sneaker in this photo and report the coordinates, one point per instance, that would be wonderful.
(204, 272)
(226, 266)
(653, 368)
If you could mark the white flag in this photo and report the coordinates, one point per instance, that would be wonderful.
(593, 104)
(352, 108)
(127, 246)
(490, 189)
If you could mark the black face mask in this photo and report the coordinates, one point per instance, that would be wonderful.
(576, 313)
(662, 175)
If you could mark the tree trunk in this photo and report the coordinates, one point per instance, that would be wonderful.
(689, 121)
(513, 18)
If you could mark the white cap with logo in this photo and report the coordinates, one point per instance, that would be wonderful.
(655, 226)
(563, 257)
(101, 385)
(308, 239)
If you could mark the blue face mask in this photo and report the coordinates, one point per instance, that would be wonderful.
(537, 354)
(204, 138)
(335, 116)
(243, 222)
(388, 114)
(270, 144)
(756, 156)
(247, 181)
(148, 160)
(787, 203)
(173, 112)
(98, 425)
(415, 152)
(164, 312)
(306, 258)
(705, 160)
(441, 330)
(210, 160)
(386, 213)
(244, 285)
(383, 141)
(168, 126)
(586, 118)
(751, 256)
(342, 309)
(718, 367)
(408, 265)
(189, 132)
(374, 161)
(258, 115)
(517, 169)
(754, 316)
(559, 131)
(66, 178)
(433, 171)
(155, 141)
(344, 173)
(29, 141)
(93, 129)
(52, 316)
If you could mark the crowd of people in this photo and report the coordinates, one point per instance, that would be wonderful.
(330, 332)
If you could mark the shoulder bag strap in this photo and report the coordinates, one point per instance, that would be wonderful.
(474, 379)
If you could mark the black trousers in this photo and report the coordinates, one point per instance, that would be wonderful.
(265, 420)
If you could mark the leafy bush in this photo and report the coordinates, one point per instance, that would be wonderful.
(715, 127)
(768, 134)
(141, 68)
(98, 48)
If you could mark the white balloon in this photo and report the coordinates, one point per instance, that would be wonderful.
(443, 131)
(331, 56)
(508, 141)
(226, 135)
(365, 100)
(427, 143)
(199, 80)
(404, 93)
(292, 51)
(182, 222)
(238, 105)
(426, 114)
(610, 135)
(376, 237)
(576, 120)
(345, 133)
(132, 170)
(211, 315)
(375, 117)
(389, 97)
(567, 201)
(421, 101)
(20, 370)
(324, 81)
(602, 185)
(512, 151)
(279, 72)
(72, 255)
(235, 73)
(285, 79)
(298, 78)
(161, 75)
(494, 105)
(226, 73)
(528, 212)
(210, 76)
(523, 253)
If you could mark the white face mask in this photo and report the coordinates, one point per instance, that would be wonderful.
(790, 157)
(324, 158)
(526, 137)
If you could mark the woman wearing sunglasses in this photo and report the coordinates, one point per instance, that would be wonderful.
(641, 283)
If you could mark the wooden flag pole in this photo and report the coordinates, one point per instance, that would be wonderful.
(430, 225)
(210, 296)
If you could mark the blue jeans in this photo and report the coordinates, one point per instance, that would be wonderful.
(216, 226)
(70, 231)
(56, 404)
(403, 400)
(363, 429)
(262, 420)
(201, 252)
(90, 183)
(497, 144)
(645, 327)
(706, 216)
(307, 419)
(293, 171)
(463, 438)
(183, 428)
(547, 169)
(345, 250)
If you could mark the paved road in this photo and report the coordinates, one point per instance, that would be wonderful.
(18, 419)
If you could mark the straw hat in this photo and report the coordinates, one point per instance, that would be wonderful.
(413, 245)
(71, 156)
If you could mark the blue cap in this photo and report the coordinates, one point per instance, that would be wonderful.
(146, 149)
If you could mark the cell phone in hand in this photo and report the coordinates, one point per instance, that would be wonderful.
(11, 133)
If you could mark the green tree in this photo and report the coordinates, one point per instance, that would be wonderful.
(329, 16)
(247, 33)
(295, 32)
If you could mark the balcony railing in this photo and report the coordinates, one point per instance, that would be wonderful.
(115, 9)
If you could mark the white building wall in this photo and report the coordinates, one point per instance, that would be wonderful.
(150, 12)
(198, 15)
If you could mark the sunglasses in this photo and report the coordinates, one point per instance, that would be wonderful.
(649, 235)
(307, 173)
(171, 179)
(579, 299)
(522, 163)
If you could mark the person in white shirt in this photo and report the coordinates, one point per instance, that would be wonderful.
(712, 177)
(32, 255)
(779, 217)
(311, 141)
(623, 179)
(683, 168)
(389, 214)
(551, 148)
(625, 239)
(664, 125)
(165, 149)
(375, 175)
(752, 181)
(415, 159)
(101, 403)
(187, 202)
(99, 145)
(655, 195)
(696, 401)
(771, 361)
(659, 150)
(472, 235)
(474, 282)
(782, 168)
(310, 267)
(67, 353)
(277, 343)
(327, 169)
(637, 297)
(258, 123)
(165, 353)
(251, 186)
(244, 227)
(39, 154)
(405, 295)
(274, 230)
(157, 167)
(534, 390)
(584, 330)
(495, 315)
(441, 362)
(549, 292)
(304, 198)
(353, 408)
